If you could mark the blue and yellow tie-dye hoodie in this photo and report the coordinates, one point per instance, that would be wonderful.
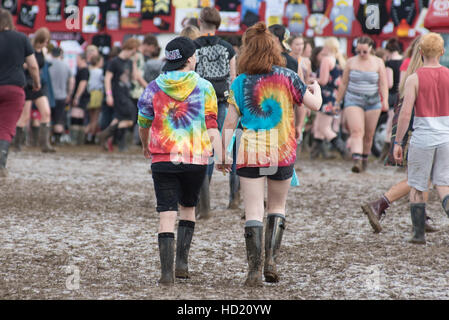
(179, 107)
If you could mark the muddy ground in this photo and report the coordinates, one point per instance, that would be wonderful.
(81, 224)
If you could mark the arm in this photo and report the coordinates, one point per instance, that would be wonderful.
(233, 68)
(229, 125)
(33, 69)
(81, 87)
(383, 84)
(411, 86)
(325, 68)
(70, 88)
(144, 134)
(389, 77)
(300, 116)
(137, 74)
(344, 84)
(108, 88)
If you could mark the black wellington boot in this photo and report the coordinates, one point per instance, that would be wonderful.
(234, 193)
(44, 138)
(104, 135)
(167, 256)
(253, 238)
(418, 213)
(184, 239)
(4, 147)
(204, 200)
(17, 142)
(273, 237)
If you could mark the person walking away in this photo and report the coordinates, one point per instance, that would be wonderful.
(63, 83)
(95, 87)
(117, 83)
(80, 101)
(178, 128)
(329, 78)
(40, 41)
(393, 65)
(15, 50)
(216, 63)
(263, 98)
(426, 93)
(363, 78)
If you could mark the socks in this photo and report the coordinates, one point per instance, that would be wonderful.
(357, 156)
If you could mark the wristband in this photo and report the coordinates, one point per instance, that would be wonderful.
(399, 144)
(109, 93)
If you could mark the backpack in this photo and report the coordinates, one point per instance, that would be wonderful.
(213, 65)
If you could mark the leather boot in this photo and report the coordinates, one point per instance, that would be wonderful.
(273, 237)
(184, 239)
(167, 255)
(4, 147)
(17, 142)
(44, 138)
(418, 213)
(253, 239)
(375, 211)
(357, 166)
(203, 211)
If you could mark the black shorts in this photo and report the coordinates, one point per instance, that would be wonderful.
(273, 173)
(31, 95)
(58, 112)
(177, 183)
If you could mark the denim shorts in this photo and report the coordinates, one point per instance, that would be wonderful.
(366, 102)
(273, 173)
(177, 183)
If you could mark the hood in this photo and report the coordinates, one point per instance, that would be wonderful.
(177, 84)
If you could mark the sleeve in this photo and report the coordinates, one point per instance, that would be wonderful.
(28, 49)
(84, 75)
(231, 50)
(210, 107)
(111, 66)
(298, 88)
(145, 106)
(232, 99)
(404, 65)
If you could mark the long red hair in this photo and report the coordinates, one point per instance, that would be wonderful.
(260, 51)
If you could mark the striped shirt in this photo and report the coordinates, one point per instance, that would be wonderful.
(431, 123)
(363, 82)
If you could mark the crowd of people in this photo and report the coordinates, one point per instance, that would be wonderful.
(241, 108)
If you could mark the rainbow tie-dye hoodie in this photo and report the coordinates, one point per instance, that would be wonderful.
(179, 107)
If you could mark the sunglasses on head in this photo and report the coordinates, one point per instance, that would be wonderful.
(361, 51)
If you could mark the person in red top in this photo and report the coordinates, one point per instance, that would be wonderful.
(426, 90)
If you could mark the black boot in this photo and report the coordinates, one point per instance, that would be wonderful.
(234, 193)
(122, 139)
(203, 211)
(273, 237)
(183, 241)
(167, 255)
(35, 136)
(17, 142)
(44, 138)
(253, 238)
(445, 204)
(4, 147)
(418, 213)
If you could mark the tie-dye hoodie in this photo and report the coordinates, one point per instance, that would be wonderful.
(179, 107)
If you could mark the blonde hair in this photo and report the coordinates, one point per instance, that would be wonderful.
(431, 45)
(41, 35)
(333, 44)
(190, 32)
(415, 63)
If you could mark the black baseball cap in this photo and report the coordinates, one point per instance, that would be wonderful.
(177, 52)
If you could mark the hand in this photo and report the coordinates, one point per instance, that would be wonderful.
(75, 102)
(146, 152)
(224, 168)
(110, 101)
(298, 134)
(68, 100)
(397, 153)
(36, 86)
(314, 87)
(385, 106)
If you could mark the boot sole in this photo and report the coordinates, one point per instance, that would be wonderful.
(430, 229)
(271, 277)
(415, 241)
(374, 222)
(181, 274)
(356, 169)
